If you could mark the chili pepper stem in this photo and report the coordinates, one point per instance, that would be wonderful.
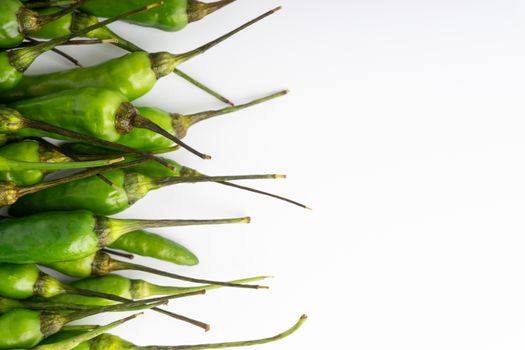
(90, 293)
(192, 119)
(117, 265)
(118, 253)
(164, 63)
(73, 134)
(23, 191)
(21, 59)
(124, 306)
(280, 336)
(17, 165)
(144, 123)
(114, 228)
(203, 87)
(92, 333)
(198, 10)
(253, 190)
(50, 3)
(168, 181)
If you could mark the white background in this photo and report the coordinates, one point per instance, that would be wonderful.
(404, 132)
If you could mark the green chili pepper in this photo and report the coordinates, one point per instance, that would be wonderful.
(109, 341)
(133, 74)
(32, 151)
(76, 21)
(14, 63)
(22, 281)
(129, 289)
(22, 328)
(77, 341)
(155, 246)
(101, 264)
(72, 235)
(93, 194)
(13, 123)
(101, 113)
(177, 124)
(18, 21)
(172, 16)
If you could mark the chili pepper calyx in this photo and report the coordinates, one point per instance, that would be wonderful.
(137, 186)
(197, 10)
(47, 286)
(10, 120)
(27, 20)
(8, 193)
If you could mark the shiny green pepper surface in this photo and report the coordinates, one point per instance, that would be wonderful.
(68, 334)
(20, 329)
(17, 281)
(89, 111)
(27, 151)
(130, 75)
(147, 140)
(48, 237)
(110, 284)
(90, 193)
(9, 76)
(155, 246)
(10, 35)
(171, 16)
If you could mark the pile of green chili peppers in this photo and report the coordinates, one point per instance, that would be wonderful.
(84, 120)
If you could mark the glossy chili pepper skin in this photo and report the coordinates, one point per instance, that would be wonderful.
(130, 75)
(20, 329)
(10, 35)
(27, 151)
(18, 281)
(171, 16)
(65, 236)
(147, 140)
(155, 246)
(10, 77)
(89, 111)
(91, 194)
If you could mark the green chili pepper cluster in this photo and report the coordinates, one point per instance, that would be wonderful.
(84, 118)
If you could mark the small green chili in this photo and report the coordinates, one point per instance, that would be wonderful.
(72, 235)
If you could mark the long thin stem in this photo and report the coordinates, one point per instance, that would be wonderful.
(50, 3)
(129, 225)
(118, 253)
(235, 344)
(53, 306)
(203, 87)
(125, 306)
(79, 339)
(141, 122)
(167, 181)
(18, 165)
(198, 117)
(23, 191)
(90, 293)
(249, 189)
(92, 140)
(118, 265)
(200, 50)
